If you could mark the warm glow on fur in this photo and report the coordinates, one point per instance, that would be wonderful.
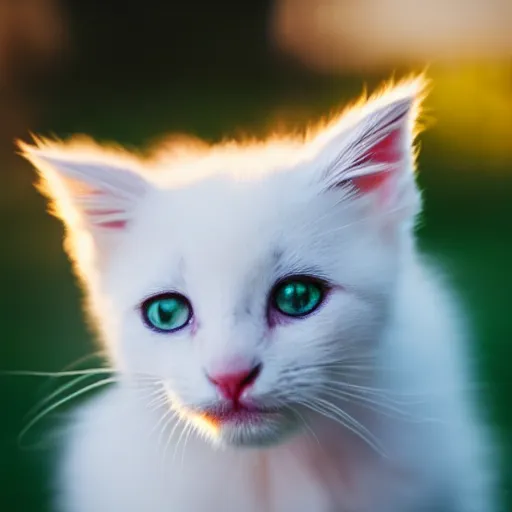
(415, 88)
(166, 160)
(205, 426)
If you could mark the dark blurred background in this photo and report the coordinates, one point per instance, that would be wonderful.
(133, 71)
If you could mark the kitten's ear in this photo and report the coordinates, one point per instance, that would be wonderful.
(370, 149)
(89, 193)
(99, 195)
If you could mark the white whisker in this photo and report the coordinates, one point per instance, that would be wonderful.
(63, 401)
(328, 410)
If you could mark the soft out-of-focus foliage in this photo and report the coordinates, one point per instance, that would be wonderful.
(474, 106)
(469, 44)
(32, 38)
(369, 34)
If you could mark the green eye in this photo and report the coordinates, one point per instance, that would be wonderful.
(167, 313)
(298, 296)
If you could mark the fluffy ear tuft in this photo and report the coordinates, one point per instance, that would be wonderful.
(88, 192)
(370, 148)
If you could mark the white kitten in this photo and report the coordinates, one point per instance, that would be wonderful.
(279, 343)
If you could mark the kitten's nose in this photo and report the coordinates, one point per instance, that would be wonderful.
(232, 385)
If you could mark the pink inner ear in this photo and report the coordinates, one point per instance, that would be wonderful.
(99, 213)
(116, 224)
(370, 181)
(387, 152)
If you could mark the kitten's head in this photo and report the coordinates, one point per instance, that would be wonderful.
(247, 279)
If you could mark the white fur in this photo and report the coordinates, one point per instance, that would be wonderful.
(221, 226)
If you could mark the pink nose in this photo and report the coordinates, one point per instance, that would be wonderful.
(232, 385)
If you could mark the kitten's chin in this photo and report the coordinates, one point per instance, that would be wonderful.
(255, 430)
(264, 433)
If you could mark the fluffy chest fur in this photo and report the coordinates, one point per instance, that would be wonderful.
(327, 472)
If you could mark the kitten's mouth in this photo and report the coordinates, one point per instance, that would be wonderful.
(237, 413)
(245, 424)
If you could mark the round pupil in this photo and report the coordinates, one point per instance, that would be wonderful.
(168, 314)
(298, 298)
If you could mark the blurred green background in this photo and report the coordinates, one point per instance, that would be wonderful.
(131, 72)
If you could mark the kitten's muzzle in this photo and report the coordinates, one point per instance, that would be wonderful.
(239, 412)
